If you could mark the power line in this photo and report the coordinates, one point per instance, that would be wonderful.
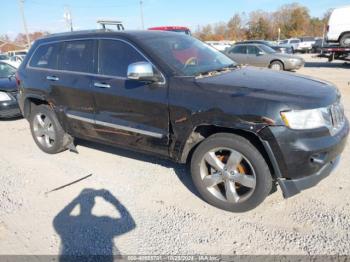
(142, 18)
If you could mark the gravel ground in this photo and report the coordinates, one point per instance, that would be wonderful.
(133, 204)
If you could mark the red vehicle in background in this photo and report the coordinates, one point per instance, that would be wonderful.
(177, 29)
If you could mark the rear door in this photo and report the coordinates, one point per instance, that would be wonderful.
(239, 54)
(129, 112)
(71, 90)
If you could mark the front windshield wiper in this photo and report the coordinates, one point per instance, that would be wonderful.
(217, 71)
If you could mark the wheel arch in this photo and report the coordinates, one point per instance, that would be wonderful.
(277, 60)
(200, 133)
(29, 102)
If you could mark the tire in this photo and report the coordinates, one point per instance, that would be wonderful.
(277, 65)
(48, 134)
(218, 194)
(345, 40)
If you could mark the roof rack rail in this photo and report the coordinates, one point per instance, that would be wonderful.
(118, 24)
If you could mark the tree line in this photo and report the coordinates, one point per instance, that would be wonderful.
(291, 20)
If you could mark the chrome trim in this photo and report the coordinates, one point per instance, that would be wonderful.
(102, 85)
(125, 128)
(86, 73)
(84, 119)
(52, 78)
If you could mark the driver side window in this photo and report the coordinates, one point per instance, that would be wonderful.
(252, 50)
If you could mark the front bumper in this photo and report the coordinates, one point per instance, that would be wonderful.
(10, 109)
(291, 188)
(294, 65)
(301, 159)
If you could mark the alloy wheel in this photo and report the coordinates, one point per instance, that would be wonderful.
(44, 130)
(228, 175)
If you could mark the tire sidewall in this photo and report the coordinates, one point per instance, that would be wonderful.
(262, 172)
(58, 143)
(278, 63)
(342, 40)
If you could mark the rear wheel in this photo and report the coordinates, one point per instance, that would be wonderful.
(46, 130)
(277, 66)
(230, 173)
(345, 40)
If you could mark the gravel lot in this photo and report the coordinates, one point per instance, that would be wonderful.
(134, 204)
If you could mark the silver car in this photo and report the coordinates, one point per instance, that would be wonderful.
(264, 56)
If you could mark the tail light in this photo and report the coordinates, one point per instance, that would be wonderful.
(18, 81)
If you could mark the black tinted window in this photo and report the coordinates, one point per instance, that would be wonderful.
(116, 56)
(239, 50)
(78, 56)
(45, 56)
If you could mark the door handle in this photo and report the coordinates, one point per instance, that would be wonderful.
(52, 78)
(102, 85)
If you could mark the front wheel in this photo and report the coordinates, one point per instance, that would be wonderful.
(230, 173)
(46, 130)
(277, 66)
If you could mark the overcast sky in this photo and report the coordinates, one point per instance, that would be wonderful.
(48, 14)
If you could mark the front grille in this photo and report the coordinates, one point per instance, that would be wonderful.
(338, 116)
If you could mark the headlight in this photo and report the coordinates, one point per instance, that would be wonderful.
(4, 97)
(307, 119)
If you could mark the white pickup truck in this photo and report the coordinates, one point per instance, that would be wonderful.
(306, 44)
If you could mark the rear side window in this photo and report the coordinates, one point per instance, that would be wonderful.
(46, 56)
(239, 50)
(78, 56)
(115, 57)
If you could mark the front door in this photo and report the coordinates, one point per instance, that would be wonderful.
(129, 112)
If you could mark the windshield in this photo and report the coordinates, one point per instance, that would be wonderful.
(4, 57)
(267, 49)
(187, 55)
(6, 70)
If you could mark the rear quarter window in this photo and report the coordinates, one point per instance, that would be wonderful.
(45, 56)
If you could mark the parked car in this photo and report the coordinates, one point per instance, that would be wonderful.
(305, 44)
(240, 128)
(176, 29)
(293, 42)
(284, 49)
(264, 56)
(338, 29)
(8, 92)
(4, 57)
(219, 45)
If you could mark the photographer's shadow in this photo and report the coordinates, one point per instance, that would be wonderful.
(87, 235)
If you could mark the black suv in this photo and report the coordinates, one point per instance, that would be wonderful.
(240, 128)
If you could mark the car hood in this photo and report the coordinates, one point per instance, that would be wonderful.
(8, 84)
(290, 90)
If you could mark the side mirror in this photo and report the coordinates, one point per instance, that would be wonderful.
(142, 71)
(260, 53)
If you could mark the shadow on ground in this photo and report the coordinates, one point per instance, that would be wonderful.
(86, 237)
(327, 65)
(180, 170)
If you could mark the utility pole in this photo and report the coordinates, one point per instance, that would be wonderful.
(68, 18)
(21, 9)
(141, 10)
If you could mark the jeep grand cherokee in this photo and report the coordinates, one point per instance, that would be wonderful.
(240, 128)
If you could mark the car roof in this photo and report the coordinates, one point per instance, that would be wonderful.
(137, 35)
